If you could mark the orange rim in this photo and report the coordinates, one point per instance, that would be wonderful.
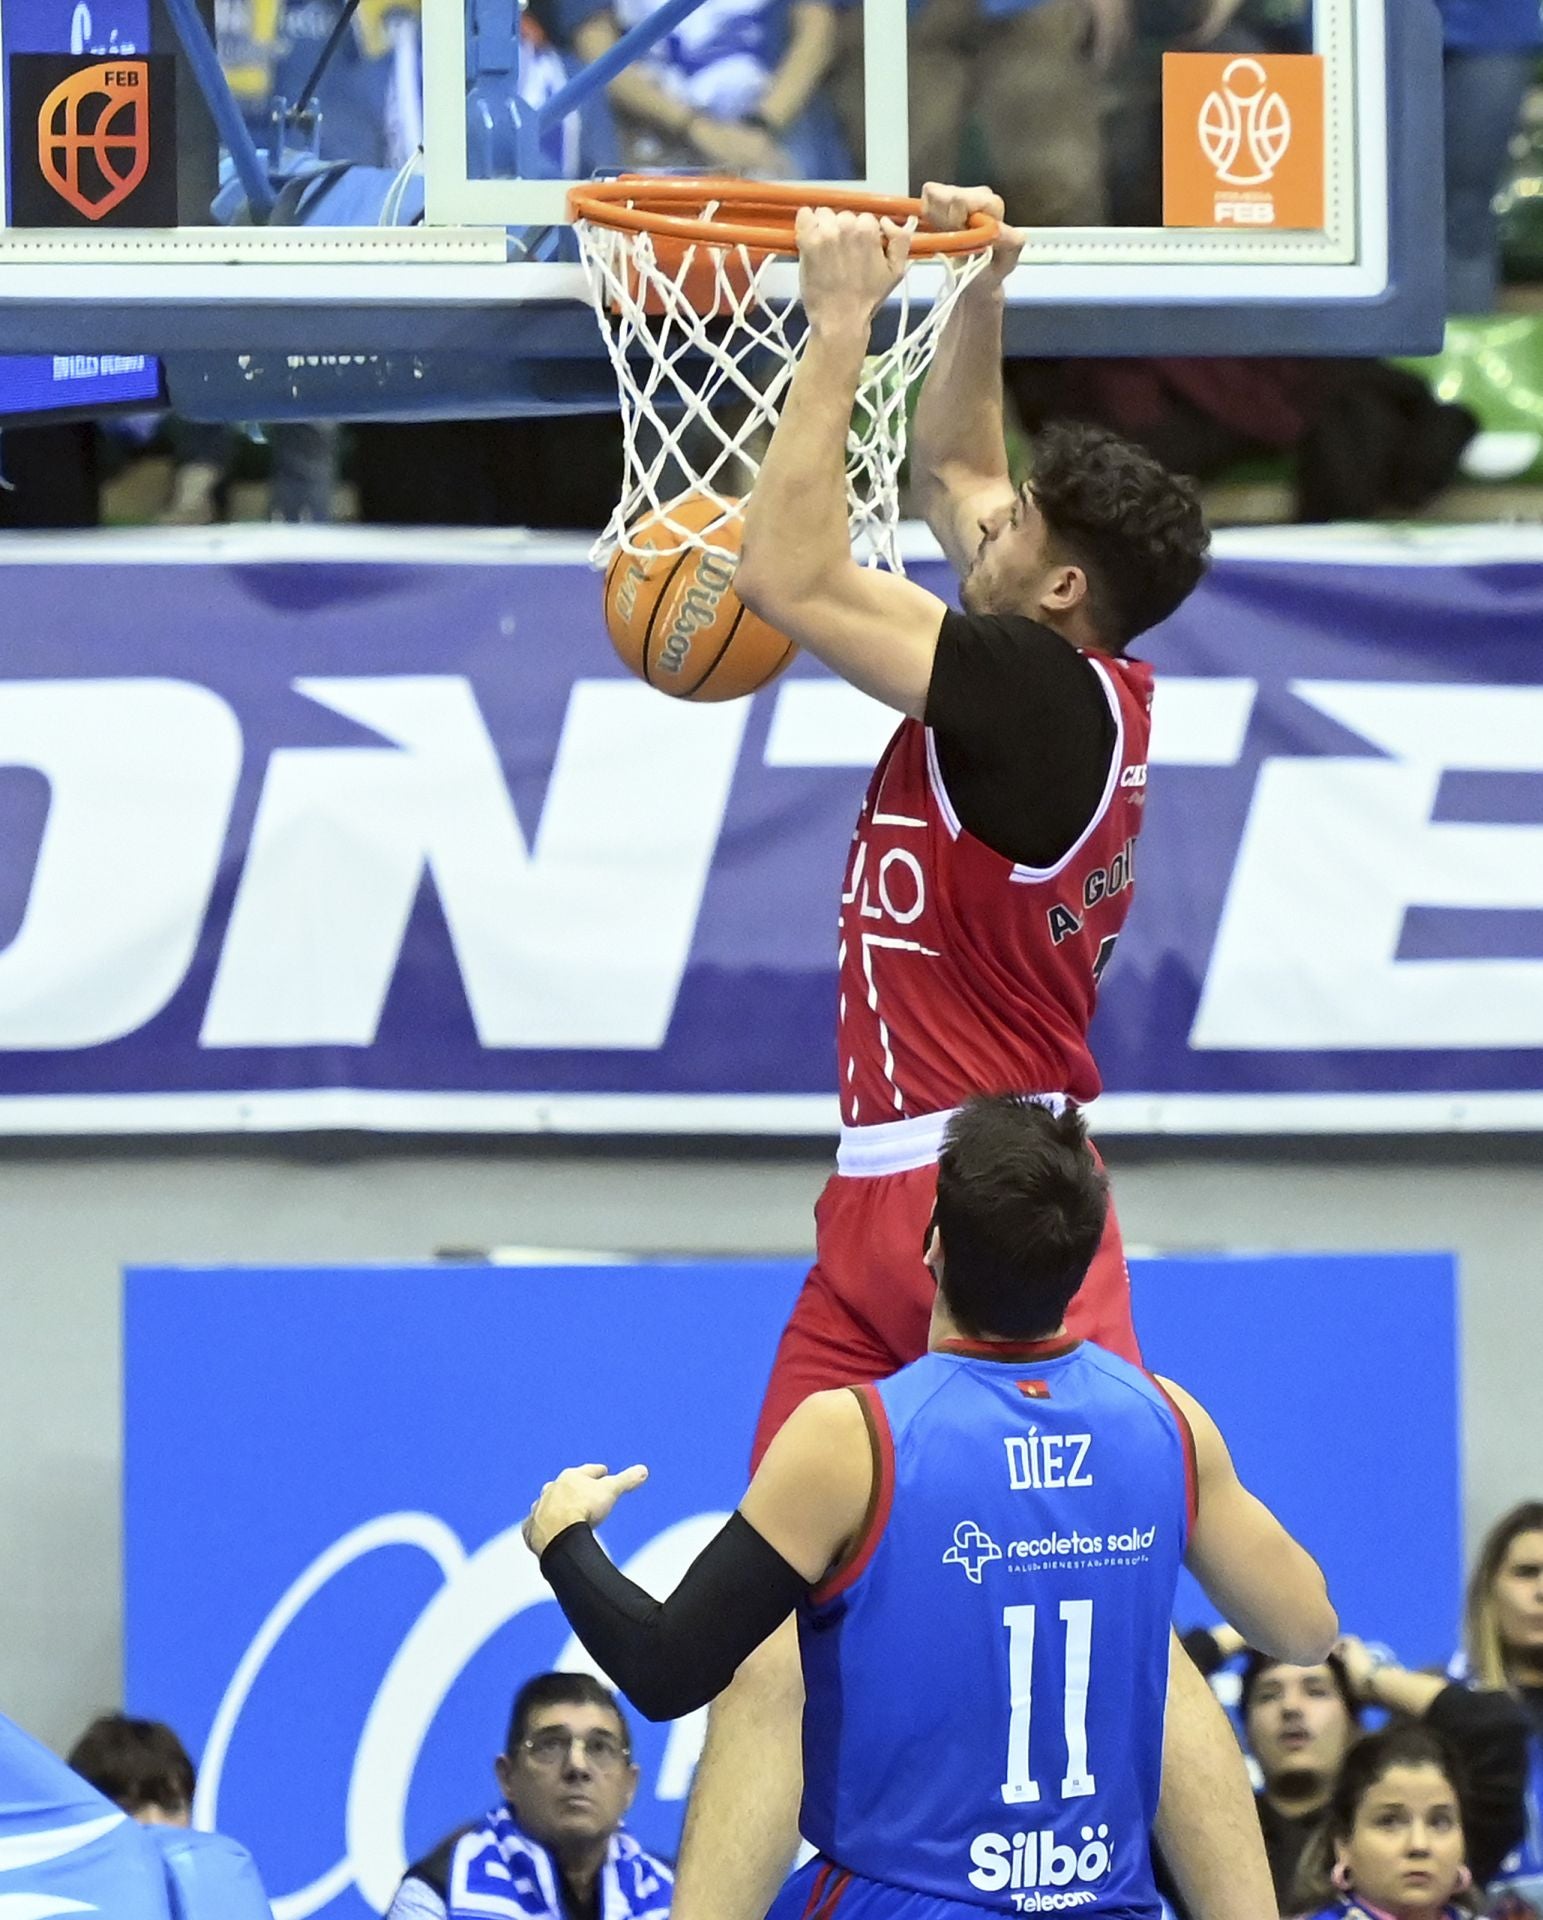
(765, 211)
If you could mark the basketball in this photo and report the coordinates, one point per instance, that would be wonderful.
(674, 617)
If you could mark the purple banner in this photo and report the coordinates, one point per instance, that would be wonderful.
(374, 831)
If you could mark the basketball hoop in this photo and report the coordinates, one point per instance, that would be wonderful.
(701, 320)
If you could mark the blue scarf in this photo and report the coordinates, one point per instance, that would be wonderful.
(499, 1873)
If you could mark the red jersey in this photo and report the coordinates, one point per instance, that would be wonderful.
(962, 972)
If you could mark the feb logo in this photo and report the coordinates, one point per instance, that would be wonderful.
(92, 139)
(1243, 140)
(94, 135)
(1245, 125)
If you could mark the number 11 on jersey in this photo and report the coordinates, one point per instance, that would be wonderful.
(1020, 1788)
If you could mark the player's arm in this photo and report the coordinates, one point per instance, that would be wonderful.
(803, 1509)
(959, 473)
(796, 568)
(1263, 1581)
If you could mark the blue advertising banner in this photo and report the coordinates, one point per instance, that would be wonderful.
(387, 838)
(325, 1471)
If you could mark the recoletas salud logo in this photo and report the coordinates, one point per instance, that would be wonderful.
(1123, 1546)
(973, 1549)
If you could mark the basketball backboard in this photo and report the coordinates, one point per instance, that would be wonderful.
(482, 293)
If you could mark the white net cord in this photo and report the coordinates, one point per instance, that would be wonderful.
(701, 390)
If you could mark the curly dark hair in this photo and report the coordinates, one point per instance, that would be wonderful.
(1135, 529)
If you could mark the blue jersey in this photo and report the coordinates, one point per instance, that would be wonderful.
(986, 1679)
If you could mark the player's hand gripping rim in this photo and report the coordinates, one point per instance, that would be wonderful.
(949, 208)
(848, 263)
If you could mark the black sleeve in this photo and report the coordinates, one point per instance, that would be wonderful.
(1024, 734)
(672, 1656)
(1487, 1733)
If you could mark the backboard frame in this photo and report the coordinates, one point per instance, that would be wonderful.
(1369, 284)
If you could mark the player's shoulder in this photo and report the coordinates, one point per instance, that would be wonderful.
(831, 1410)
(917, 1382)
(1011, 658)
(1017, 635)
(1124, 1380)
(825, 1437)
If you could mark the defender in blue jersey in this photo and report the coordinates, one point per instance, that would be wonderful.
(1032, 1515)
(982, 1552)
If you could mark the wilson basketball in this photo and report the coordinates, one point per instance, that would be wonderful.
(674, 617)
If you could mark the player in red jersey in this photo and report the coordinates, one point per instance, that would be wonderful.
(993, 862)
(989, 877)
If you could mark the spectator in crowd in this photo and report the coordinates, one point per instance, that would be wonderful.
(139, 1764)
(1300, 1722)
(1026, 73)
(1491, 55)
(734, 86)
(553, 1848)
(144, 1768)
(1392, 1839)
(1504, 1635)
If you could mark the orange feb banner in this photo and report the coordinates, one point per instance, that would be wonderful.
(1243, 140)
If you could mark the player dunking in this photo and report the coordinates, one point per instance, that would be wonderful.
(993, 864)
(991, 873)
(982, 1552)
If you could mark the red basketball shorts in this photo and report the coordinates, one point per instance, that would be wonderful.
(863, 1311)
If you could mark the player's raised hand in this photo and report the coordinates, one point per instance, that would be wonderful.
(848, 263)
(948, 208)
(578, 1495)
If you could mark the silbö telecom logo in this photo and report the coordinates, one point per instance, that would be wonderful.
(1039, 1870)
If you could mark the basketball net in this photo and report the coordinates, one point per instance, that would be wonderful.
(704, 346)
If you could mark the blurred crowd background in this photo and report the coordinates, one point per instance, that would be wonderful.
(1055, 102)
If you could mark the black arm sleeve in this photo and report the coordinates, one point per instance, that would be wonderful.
(1024, 734)
(1487, 1734)
(672, 1656)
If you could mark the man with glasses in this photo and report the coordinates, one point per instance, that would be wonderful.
(553, 1848)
